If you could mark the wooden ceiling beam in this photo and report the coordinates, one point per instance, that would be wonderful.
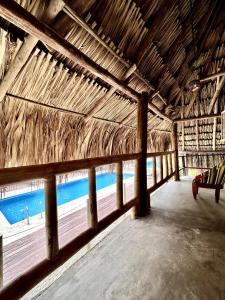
(26, 49)
(17, 15)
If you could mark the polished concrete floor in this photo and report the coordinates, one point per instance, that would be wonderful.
(178, 252)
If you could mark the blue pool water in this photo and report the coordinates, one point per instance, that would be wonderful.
(13, 208)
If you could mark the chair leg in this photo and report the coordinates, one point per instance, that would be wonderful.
(194, 189)
(217, 195)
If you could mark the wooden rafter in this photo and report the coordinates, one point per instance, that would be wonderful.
(17, 15)
(219, 86)
(26, 49)
(101, 102)
(190, 105)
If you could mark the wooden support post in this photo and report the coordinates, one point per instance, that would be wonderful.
(175, 148)
(92, 201)
(51, 218)
(119, 186)
(154, 173)
(142, 197)
(1, 261)
(161, 168)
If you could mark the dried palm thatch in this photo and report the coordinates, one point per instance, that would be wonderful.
(44, 109)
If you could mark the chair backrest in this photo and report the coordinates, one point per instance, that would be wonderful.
(216, 175)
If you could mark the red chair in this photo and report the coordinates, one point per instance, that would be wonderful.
(212, 179)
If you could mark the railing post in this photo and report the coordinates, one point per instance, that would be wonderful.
(171, 163)
(51, 218)
(161, 168)
(1, 261)
(142, 196)
(167, 167)
(119, 185)
(154, 174)
(183, 165)
(92, 201)
(175, 148)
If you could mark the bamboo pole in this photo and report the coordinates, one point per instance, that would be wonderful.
(51, 218)
(119, 186)
(167, 166)
(183, 165)
(171, 163)
(175, 148)
(154, 173)
(161, 168)
(142, 199)
(92, 210)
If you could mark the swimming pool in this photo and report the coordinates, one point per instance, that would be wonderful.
(13, 208)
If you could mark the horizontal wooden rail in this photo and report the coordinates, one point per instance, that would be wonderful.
(206, 152)
(197, 168)
(154, 154)
(13, 175)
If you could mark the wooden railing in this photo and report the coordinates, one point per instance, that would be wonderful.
(164, 157)
(57, 256)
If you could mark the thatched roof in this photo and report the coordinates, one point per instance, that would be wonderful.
(49, 111)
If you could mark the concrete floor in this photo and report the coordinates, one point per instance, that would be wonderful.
(176, 253)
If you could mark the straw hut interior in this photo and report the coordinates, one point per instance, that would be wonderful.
(72, 74)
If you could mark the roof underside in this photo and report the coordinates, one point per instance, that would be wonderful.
(170, 41)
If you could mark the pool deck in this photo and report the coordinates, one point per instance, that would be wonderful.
(24, 253)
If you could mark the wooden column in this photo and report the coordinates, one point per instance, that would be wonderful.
(175, 148)
(51, 218)
(142, 197)
(1, 261)
(92, 201)
(161, 168)
(119, 186)
(154, 173)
